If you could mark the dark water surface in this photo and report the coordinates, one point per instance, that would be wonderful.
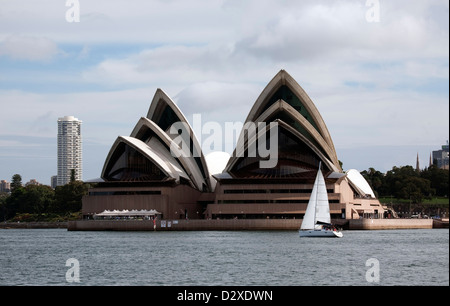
(391, 257)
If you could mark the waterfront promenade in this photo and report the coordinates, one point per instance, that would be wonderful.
(226, 224)
(243, 224)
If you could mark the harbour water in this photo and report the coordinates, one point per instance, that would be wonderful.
(227, 258)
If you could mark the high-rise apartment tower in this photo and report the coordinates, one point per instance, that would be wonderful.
(69, 149)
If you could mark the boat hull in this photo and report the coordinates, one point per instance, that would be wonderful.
(320, 233)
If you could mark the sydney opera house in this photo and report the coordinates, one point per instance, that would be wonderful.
(149, 170)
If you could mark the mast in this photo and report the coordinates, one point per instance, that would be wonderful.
(317, 191)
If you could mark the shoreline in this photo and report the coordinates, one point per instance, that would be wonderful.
(33, 225)
(243, 225)
(225, 224)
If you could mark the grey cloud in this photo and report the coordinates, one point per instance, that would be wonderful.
(216, 101)
(339, 30)
(31, 48)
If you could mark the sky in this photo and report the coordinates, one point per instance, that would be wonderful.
(377, 70)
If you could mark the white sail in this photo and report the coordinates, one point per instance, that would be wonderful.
(309, 218)
(318, 207)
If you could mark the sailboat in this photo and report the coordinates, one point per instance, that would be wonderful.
(317, 219)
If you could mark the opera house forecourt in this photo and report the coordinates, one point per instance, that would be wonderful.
(268, 179)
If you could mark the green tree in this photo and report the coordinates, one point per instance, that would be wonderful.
(30, 199)
(406, 183)
(13, 202)
(439, 179)
(375, 179)
(37, 199)
(3, 209)
(415, 189)
(72, 175)
(41, 199)
(395, 178)
(16, 182)
(68, 197)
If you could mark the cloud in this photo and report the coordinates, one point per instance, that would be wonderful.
(35, 49)
(173, 64)
(364, 118)
(323, 42)
(40, 125)
(374, 83)
(338, 30)
(120, 21)
(218, 101)
(105, 115)
(144, 67)
(15, 143)
(84, 53)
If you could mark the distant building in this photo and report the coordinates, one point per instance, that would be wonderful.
(5, 186)
(33, 182)
(54, 181)
(440, 157)
(69, 149)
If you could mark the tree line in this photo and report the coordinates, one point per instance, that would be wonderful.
(409, 183)
(40, 200)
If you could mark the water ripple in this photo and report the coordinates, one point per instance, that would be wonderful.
(405, 257)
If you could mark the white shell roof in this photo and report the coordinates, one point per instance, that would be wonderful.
(188, 162)
(217, 161)
(359, 183)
